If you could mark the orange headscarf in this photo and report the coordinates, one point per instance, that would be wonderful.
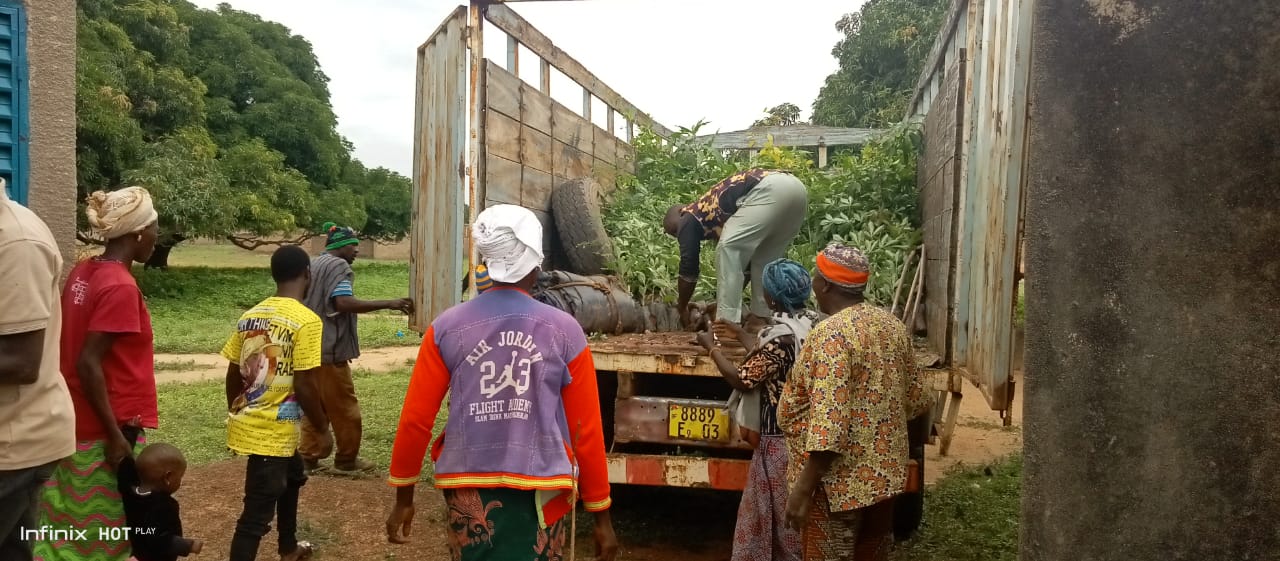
(843, 265)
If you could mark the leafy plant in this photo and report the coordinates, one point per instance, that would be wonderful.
(867, 199)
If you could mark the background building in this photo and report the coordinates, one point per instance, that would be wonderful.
(38, 111)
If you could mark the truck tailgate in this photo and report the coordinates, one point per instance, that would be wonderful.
(656, 353)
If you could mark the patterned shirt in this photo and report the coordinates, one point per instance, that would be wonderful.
(273, 341)
(855, 386)
(769, 365)
(704, 219)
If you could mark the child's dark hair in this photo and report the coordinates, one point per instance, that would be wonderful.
(288, 263)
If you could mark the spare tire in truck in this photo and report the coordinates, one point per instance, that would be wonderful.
(575, 207)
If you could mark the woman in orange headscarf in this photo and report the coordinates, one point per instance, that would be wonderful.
(844, 411)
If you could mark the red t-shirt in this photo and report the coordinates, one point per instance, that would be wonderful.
(102, 296)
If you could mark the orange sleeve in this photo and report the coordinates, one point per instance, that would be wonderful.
(427, 386)
(582, 410)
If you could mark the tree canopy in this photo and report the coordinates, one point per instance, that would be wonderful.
(226, 119)
(880, 58)
(785, 114)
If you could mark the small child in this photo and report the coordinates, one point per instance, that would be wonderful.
(147, 486)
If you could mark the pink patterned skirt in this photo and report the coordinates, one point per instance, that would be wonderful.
(762, 533)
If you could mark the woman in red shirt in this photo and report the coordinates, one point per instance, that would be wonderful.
(108, 364)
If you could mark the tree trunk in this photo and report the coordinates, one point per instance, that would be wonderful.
(160, 257)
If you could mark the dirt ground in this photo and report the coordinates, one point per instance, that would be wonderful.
(345, 520)
(345, 517)
(195, 368)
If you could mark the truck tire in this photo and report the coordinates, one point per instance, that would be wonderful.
(578, 219)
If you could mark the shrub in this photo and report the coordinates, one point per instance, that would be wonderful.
(867, 199)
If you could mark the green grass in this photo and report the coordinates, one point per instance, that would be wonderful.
(192, 417)
(223, 255)
(970, 515)
(194, 309)
(175, 365)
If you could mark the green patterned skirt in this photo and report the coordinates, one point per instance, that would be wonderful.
(501, 525)
(83, 495)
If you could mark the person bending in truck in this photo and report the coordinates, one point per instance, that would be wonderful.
(332, 297)
(524, 435)
(761, 533)
(754, 215)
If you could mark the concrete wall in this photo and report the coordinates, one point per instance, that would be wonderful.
(51, 52)
(1153, 316)
(369, 249)
(398, 251)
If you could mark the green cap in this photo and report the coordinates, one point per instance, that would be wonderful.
(339, 236)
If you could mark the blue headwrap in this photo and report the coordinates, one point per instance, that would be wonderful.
(788, 283)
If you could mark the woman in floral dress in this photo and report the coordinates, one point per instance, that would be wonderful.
(845, 411)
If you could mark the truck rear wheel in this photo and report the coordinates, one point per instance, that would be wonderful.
(576, 209)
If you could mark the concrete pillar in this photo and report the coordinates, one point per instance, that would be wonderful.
(51, 67)
(1153, 262)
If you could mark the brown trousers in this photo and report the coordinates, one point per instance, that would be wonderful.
(338, 397)
(865, 534)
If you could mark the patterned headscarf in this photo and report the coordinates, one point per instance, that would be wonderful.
(339, 236)
(788, 284)
(119, 213)
(844, 266)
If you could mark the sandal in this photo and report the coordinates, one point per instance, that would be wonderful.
(304, 551)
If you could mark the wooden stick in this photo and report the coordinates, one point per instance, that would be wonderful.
(915, 307)
(913, 295)
(906, 306)
(897, 288)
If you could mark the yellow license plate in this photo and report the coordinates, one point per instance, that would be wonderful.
(698, 423)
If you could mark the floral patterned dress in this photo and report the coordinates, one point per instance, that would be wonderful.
(854, 387)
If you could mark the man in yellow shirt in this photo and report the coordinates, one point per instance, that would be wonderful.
(274, 354)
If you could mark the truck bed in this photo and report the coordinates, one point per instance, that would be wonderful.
(679, 342)
(658, 353)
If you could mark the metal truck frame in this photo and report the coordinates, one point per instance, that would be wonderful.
(486, 134)
(662, 398)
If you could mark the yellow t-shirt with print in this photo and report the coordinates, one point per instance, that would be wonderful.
(275, 339)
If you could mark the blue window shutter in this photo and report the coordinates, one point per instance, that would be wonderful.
(14, 135)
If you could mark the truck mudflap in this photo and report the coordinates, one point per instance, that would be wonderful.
(678, 471)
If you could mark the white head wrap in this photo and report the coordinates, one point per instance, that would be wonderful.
(509, 239)
(120, 213)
